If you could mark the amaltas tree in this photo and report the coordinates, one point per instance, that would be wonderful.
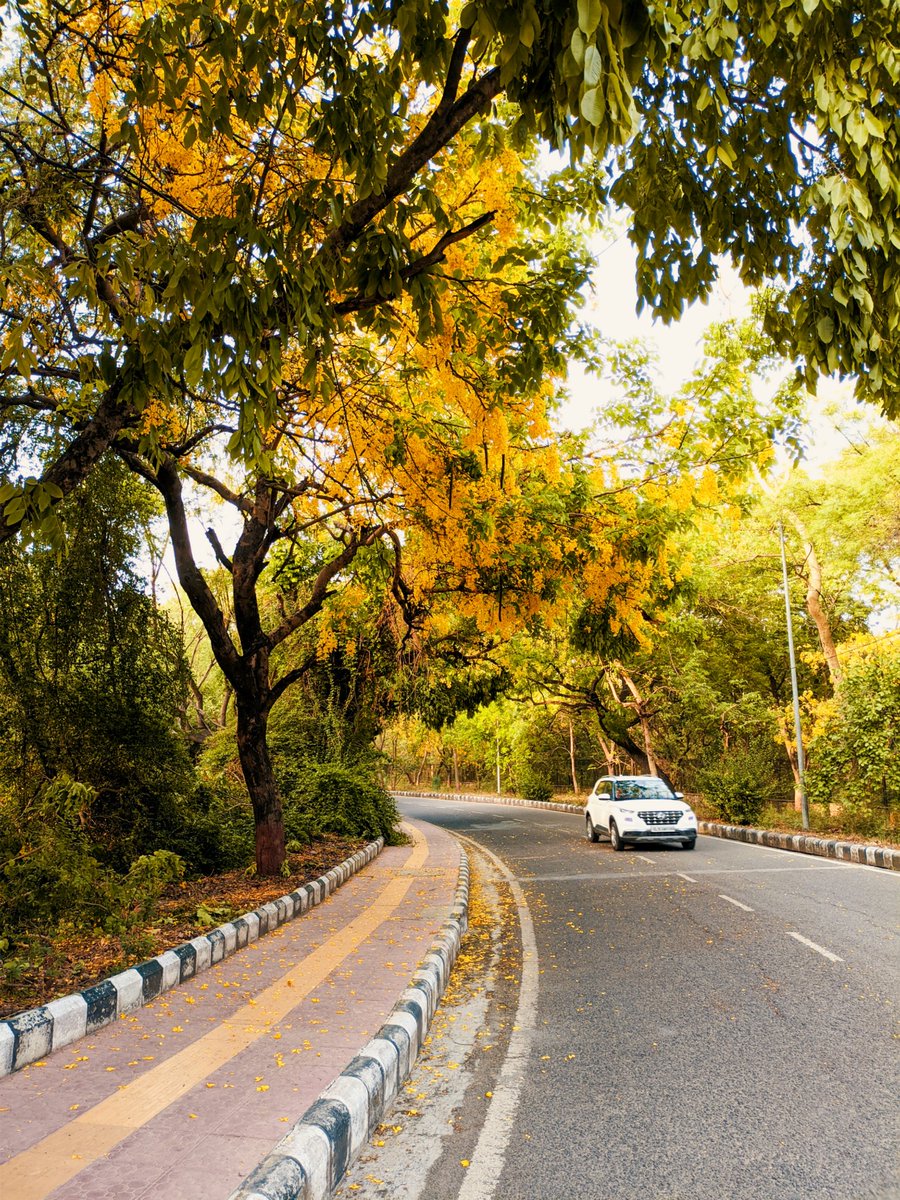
(295, 256)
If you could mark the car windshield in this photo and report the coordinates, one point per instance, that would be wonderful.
(643, 789)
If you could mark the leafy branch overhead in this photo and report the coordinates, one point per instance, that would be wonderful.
(191, 191)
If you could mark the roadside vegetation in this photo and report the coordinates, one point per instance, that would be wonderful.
(704, 698)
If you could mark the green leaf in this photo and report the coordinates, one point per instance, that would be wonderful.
(593, 67)
(589, 13)
(593, 106)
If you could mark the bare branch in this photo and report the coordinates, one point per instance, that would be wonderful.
(243, 503)
(213, 538)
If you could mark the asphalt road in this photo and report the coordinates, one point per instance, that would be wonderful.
(661, 1024)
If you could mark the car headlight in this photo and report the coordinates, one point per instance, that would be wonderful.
(689, 815)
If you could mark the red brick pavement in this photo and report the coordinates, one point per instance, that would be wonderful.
(193, 1125)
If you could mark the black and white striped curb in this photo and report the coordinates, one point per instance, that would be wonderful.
(32, 1035)
(474, 798)
(803, 843)
(310, 1161)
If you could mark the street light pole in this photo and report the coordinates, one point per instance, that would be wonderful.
(801, 766)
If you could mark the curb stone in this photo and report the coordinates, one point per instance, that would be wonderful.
(32, 1035)
(313, 1157)
(474, 798)
(886, 857)
(805, 843)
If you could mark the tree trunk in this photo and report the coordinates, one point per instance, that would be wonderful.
(422, 766)
(572, 757)
(814, 604)
(260, 779)
(791, 752)
(456, 768)
(223, 711)
(609, 754)
(649, 757)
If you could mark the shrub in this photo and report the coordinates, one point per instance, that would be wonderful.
(333, 799)
(213, 830)
(737, 789)
(55, 875)
(533, 786)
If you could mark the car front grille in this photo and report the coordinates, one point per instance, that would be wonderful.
(660, 817)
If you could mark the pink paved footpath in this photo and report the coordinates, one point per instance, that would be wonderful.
(185, 1096)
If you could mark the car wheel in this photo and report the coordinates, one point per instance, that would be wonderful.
(689, 843)
(615, 837)
(590, 830)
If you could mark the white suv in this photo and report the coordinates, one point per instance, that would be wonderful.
(638, 808)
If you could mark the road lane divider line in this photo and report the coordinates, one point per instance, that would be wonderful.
(815, 946)
(489, 1155)
(646, 860)
(60, 1156)
(689, 878)
(736, 903)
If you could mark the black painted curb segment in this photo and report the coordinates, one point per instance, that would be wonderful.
(310, 1161)
(29, 1036)
(806, 843)
(886, 857)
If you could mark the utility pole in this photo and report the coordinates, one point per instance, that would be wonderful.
(801, 766)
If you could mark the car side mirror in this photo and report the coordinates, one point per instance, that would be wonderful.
(604, 796)
(679, 795)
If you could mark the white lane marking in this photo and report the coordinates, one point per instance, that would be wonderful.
(689, 878)
(736, 903)
(815, 946)
(646, 860)
(488, 1158)
(668, 874)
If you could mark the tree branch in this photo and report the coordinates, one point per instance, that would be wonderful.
(319, 593)
(242, 503)
(419, 266)
(203, 602)
(77, 460)
(213, 538)
(442, 126)
(286, 681)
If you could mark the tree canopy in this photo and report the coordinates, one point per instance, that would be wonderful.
(303, 259)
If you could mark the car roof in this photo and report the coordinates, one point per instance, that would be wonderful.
(620, 778)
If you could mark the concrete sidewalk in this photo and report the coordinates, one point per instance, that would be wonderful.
(186, 1095)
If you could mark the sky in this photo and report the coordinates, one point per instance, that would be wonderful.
(611, 308)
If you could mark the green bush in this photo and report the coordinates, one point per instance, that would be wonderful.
(533, 786)
(333, 799)
(737, 789)
(213, 830)
(54, 874)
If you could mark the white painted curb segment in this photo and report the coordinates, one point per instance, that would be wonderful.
(311, 1160)
(887, 857)
(32, 1035)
